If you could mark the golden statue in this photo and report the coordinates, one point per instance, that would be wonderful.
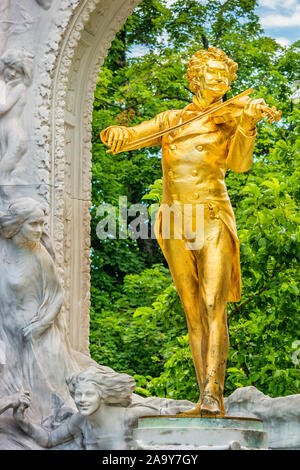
(199, 143)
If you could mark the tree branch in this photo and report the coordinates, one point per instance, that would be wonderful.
(112, 88)
(205, 41)
(186, 88)
(219, 23)
(108, 104)
(179, 98)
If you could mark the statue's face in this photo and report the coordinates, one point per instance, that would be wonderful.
(32, 228)
(215, 80)
(87, 398)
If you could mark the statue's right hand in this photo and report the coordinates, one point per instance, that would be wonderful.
(35, 329)
(20, 399)
(19, 413)
(116, 137)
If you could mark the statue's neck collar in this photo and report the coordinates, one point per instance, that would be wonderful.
(201, 104)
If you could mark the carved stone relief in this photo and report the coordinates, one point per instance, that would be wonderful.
(16, 72)
(43, 372)
(68, 40)
(33, 331)
(4, 24)
(73, 96)
(107, 412)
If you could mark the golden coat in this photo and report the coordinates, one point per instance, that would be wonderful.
(194, 161)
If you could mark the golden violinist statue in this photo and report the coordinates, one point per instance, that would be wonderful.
(199, 143)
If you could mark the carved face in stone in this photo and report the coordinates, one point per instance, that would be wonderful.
(215, 80)
(87, 398)
(32, 228)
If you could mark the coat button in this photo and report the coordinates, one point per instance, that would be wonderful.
(170, 173)
(196, 195)
(199, 147)
(172, 147)
(213, 211)
(194, 172)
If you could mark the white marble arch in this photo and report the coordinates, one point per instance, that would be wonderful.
(69, 41)
(86, 41)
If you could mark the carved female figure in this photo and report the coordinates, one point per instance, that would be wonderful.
(106, 416)
(31, 326)
(16, 70)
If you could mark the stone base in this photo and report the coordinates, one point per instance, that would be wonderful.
(226, 433)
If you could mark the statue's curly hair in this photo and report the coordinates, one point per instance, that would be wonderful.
(20, 210)
(114, 388)
(198, 61)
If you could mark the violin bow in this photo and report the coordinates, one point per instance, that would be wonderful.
(272, 112)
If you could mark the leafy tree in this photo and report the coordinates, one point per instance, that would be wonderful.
(137, 321)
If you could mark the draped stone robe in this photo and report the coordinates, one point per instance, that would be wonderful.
(29, 287)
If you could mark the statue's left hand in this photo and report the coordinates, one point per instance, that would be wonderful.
(34, 329)
(19, 413)
(254, 112)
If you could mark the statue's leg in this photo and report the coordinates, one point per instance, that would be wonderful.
(183, 267)
(215, 267)
(16, 148)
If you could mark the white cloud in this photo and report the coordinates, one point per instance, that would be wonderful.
(282, 21)
(284, 42)
(138, 51)
(274, 4)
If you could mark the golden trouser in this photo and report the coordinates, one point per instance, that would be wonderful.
(202, 278)
(194, 160)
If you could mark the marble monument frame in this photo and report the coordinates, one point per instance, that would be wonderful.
(69, 40)
(84, 45)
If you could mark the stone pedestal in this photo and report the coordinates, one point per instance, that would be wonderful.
(227, 433)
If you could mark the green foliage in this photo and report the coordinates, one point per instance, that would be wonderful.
(137, 321)
(140, 323)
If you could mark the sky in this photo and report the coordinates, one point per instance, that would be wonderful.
(279, 18)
